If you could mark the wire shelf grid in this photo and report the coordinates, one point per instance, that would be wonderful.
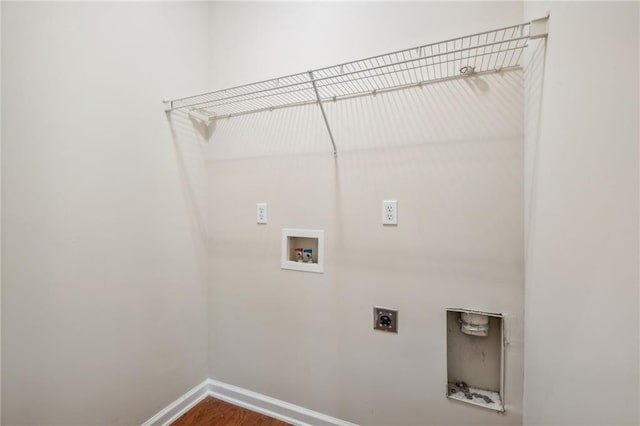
(484, 52)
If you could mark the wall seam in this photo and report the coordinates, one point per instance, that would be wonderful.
(209, 271)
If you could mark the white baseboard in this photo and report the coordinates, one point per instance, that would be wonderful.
(289, 413)
(177, 408)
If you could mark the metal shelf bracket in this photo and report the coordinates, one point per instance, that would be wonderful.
(539, 28)
(324, 115)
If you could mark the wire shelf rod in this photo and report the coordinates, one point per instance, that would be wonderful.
(418, 48)
(392, 72)
(296, 79)
(526, 24)
(256, 95)
(360, 95)
(459, 57)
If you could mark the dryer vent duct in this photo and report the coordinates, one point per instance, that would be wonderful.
(474, 324)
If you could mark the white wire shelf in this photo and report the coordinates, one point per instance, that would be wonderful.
(489, 51)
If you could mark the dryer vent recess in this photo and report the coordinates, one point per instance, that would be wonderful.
(475, 358)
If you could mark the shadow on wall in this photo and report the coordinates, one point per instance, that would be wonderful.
(457, 130)
(472, 109)
(475, 110)
(534, 84)
(451, 153)
(190, 143)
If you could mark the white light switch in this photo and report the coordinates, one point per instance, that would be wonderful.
(261, 213)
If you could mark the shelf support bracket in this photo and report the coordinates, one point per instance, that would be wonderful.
(539, 28)
(169, 107)
(324, 115)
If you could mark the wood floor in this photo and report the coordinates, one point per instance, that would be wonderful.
(213, 412)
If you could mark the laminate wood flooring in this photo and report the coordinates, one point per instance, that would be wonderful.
(213, 412)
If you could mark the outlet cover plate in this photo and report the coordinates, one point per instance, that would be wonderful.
(385, 319)
(261, 213)
(389, 212)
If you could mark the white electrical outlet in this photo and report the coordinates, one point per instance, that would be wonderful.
(389, 212)
(261, 213)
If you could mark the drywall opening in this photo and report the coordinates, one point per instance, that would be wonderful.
(475, 358)
(302, 250)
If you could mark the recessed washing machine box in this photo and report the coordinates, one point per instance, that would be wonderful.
(475, 358)
(302, 250)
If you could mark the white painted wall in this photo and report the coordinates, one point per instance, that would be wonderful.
(582, 109)
(104, 279)
(104, 213)
(0, 214)
(451, 154)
